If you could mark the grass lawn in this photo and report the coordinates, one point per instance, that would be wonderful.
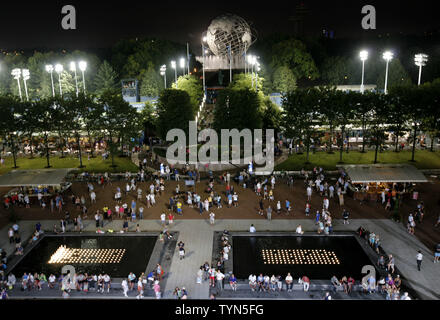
(424, 159)
(94, 165)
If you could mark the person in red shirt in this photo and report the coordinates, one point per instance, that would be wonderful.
(306, 283)
(170, 217)
(350, 283)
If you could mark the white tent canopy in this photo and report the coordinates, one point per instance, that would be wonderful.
(387, 173)
(31, 178)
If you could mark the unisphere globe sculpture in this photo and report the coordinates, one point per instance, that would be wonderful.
(229, 30)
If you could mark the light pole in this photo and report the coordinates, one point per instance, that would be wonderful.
(203, 64)
(182, 65)
(364, 56)
(26, 76)
(257, 68)
(388, 56)
(49, 68)
(83, 66)
(420, 60)
(163, 70)
(173, 65)
(58, 69)
(252, 61)
(73, 68)
(17, 73)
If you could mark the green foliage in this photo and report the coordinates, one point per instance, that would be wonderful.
(335, 70)
(174, 110)
(293, 54)
(106, 78)
(397, 75)
(152, 83)
(191, 85)
(238, 108)
(283, 79)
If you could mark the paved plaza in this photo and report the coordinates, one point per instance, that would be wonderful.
(198, 237)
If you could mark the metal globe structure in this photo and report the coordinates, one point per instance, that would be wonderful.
(229, 30)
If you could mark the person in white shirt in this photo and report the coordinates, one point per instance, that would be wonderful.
(124, 286)
(252, 228)
(289, 282)
(219, 277)
(163, 219)
(299, 229)
(253, 282)
(212, 218)
(93, 197)
(405, 296)
(309, 193)
(419, 259)
(107, 282)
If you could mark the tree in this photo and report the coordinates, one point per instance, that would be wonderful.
(399, 112)
(344, 105)
(300, 116)
(335, 70)
(283, 79)
(293, 54)
(397, 75)
(106, 78)
(46, 121)
(28, 116)
(363, 113)
(11, 122)
(271, 116)
(174, 111)
(237, 109)
(148, 118)
(326, 109)
(378, 123)
(152, 83)
(120, 121)
(191, 85)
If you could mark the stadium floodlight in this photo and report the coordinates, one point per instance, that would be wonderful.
(17, 74)
(364, 56)
(83, 66)
(58, 69)
(388, 56)
(49, 68)
(163, 72)
(26, 76)
(420, 60)
(173, 65)
(73, 69)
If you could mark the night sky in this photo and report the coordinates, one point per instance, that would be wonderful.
(102, 23)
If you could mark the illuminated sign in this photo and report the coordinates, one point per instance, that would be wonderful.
(299, 256)
(85, 256)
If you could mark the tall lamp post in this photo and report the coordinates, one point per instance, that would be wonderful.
(73, 68)
(388, 56)
(163, 70)
(83, 66)
(203, 64)
(173, 65)
(49, 68)
(58, 69)
(17, 74)
(420, 60)
(364, 56)
(26, 77)
(257, 68)
(182, 65)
